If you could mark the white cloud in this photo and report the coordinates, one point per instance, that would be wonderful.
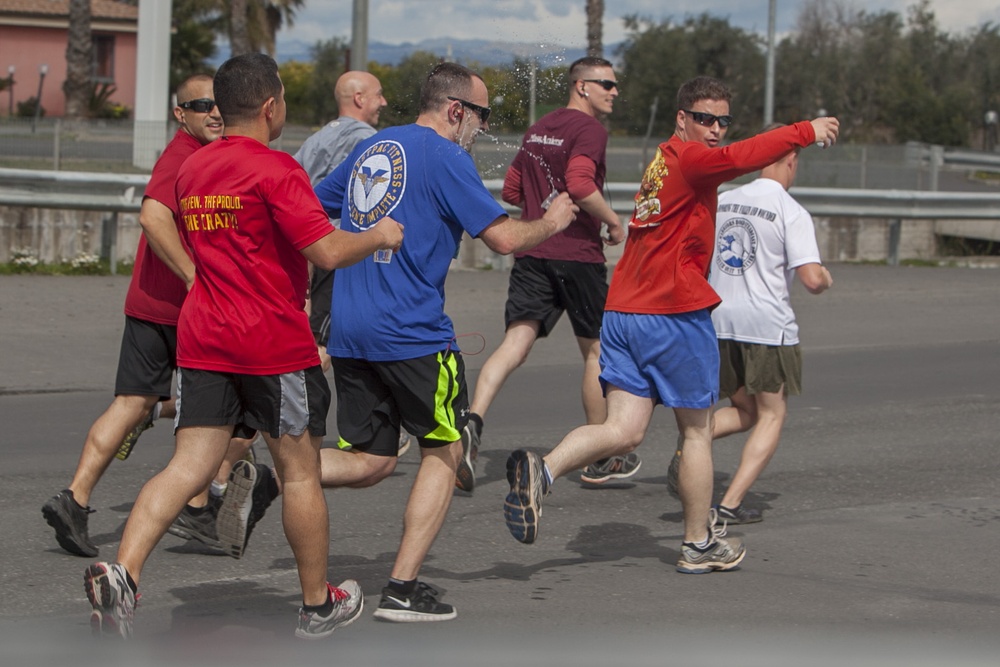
(563, 21)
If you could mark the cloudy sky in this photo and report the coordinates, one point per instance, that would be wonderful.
(562, 21)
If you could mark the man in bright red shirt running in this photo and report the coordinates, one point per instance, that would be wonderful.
(658, 344)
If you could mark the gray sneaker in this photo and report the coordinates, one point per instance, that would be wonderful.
(132, 436)
(70, 521)
(112, 600)
(612, 469)
(523, 506)
(465, 476)
(721, 554)
(348, 601)
(248, 495)
(198, 525)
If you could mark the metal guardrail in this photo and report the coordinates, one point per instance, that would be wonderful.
(122, 193)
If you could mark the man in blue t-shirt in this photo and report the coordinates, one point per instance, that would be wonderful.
(394, 359)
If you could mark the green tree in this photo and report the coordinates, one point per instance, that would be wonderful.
(659, 57)
(401, 86)
(298, 79)
(192, 43)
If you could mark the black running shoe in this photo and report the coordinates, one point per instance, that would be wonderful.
(70, 521)
(465, 476)
(198, 524)
(419, 606)
(738, 515)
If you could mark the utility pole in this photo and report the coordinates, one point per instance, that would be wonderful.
(152, 83)
(359, 35)
(769, 79)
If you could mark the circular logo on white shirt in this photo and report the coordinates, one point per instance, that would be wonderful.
(377, 183)
(736, 246)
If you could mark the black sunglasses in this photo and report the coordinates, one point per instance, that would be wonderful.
(708, 120)
(482, 112)
(203, 105)
(606, 84)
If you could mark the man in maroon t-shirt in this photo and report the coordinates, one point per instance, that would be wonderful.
(563, 152)
(147, 359)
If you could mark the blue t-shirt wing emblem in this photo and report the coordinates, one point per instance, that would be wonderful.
(377, 183)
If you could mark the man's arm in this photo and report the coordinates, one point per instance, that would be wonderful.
(339, 248)
(815, 277)
(157, 223)
(582, 187)
(507, 235)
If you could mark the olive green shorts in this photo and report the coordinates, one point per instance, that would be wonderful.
(759, 368)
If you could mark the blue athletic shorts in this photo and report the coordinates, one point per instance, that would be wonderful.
(673, 359)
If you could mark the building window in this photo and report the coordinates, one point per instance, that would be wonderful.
(104, 58)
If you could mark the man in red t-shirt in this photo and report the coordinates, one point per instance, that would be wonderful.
(563, 152)
(146, 362)
(660, 296)
(246, 356)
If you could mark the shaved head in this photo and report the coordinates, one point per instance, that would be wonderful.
(359, 95)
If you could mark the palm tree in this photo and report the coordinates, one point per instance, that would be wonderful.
(595, 20)
(253, 24)
(79, 60)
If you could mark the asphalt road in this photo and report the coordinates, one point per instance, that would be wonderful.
(878, 546)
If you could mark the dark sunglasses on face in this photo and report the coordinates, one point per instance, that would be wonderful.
(708, 120)
(482, 112)
(606, 84)
(200, 106)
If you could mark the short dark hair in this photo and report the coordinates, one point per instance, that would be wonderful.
(182, 90)
(702, 88)
(444, 80)
(585, 63)
(242, 85)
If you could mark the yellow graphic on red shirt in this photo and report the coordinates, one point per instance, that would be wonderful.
(647, 201)
(208, 213)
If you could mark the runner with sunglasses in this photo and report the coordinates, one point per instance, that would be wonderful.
(658, 344)
(563, 152)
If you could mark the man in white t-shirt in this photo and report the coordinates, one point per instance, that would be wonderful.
(764, 238)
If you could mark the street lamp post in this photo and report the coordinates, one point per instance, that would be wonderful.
(10, 90)
(42, 71)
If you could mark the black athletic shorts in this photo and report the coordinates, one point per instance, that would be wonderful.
(427, 396)
(541, 289)
(283, 404)
(147, 359)
(320, 298)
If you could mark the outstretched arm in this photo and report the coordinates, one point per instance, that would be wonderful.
(507, 235)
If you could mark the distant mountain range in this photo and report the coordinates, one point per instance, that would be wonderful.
(483, 52)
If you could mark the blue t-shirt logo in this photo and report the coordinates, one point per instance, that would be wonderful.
(737, 246)
(377, 183)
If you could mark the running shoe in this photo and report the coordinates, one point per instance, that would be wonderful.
(612, 469)
(419, 606)
(405, 440)
(720, 555)
(523, 506)
(112, 600)
(198, 523)
(70, 521)
(249, 493)
(348, 601)
(132, 437)
(739, 514)
(465, 476)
